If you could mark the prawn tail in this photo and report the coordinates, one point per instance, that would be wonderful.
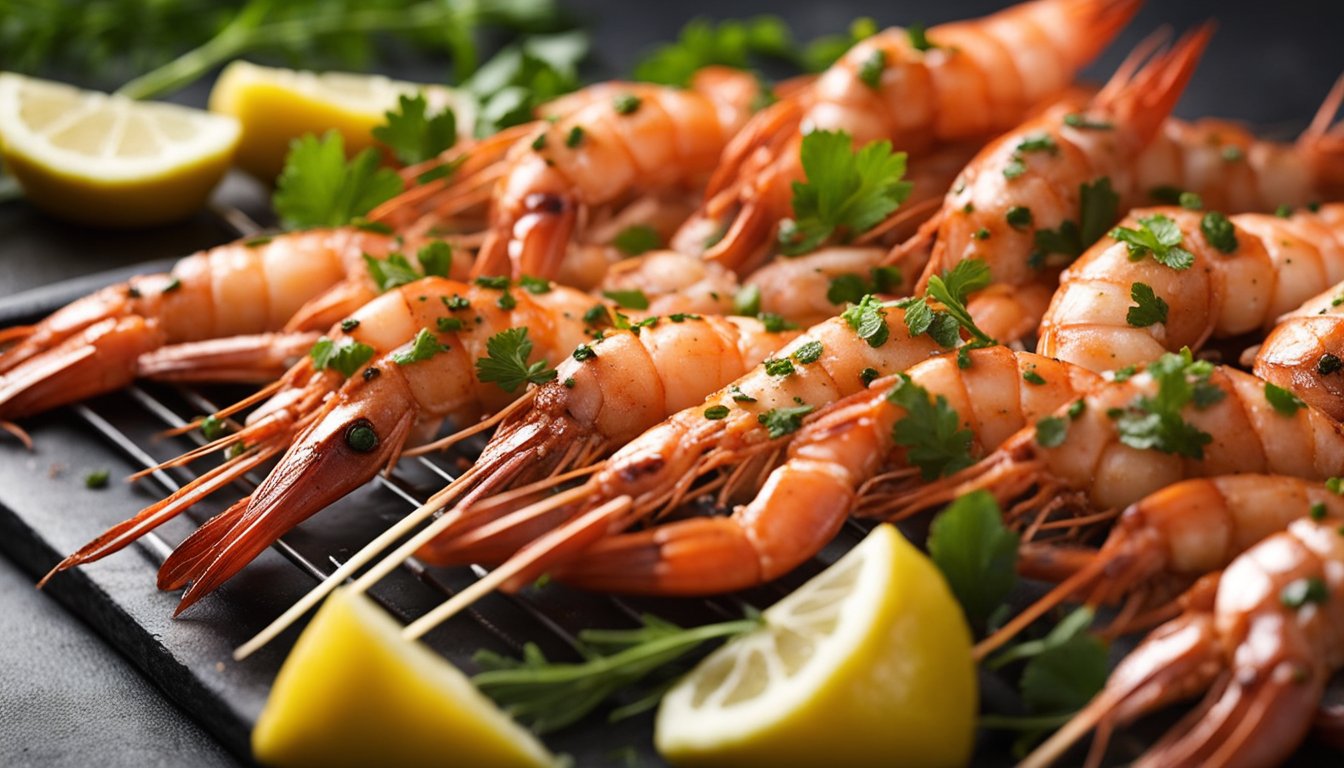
(1098, 21)
(1143, 97)
(1323, 144)
(248, 359)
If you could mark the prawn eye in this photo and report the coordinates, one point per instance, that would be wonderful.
(361, 437)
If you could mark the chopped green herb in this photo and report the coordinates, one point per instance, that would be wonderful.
(982, 234)
(1317, 511)
(456, 303)
(783, 421)
(1303, 591)
(539, 143)
(930, 431)
(626, 104)
(951, 289)
(1218, 230)
(918, 36)
(775, 323)
(568, 382)
(506, 301)
(448, 324)
(1076, 408)
(575, 137)
(846, 193)
(596, 315)
(747, 301)
(534, 285)
(345, 356)
(1282, 400)
(637, 239)
(1329, 364)
(779, 367)
(493, 282)
(424, 346)
(868, 375)
(848, 288)
(1014, 168)
(1335, 485)
(257, 242)
(436, 258)
(1284, 211)
(1233, 153)
(1075, 120)
(868, 319)
(1149, 308)
(1041, 142)
(213, 428)
(808, 353)
(1032, 377)
(739, 396)
(1155, 423)
(870, 71)
(583, 352)
(716, 412)
(1158, 236)
(1019, 217)
(506, 364)
(349, 324)
(390, 272)
(632, 299)
(97, 478)
(1190, 201)
(1051, 431)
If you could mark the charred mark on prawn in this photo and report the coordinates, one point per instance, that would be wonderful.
(361, 437)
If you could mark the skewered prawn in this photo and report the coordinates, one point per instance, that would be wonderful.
(1161, 544)
(804, 501)
(1264, 650)
(1130, 438)
(448, 322)
(973, 79)
(618, 142)
(1247, 270)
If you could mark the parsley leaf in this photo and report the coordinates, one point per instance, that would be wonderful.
(632, 299)
(1149, 308)
(747, 301)
(850, 288)
(413, 134)
(1159, 237)
(918, 36)
(976, 553)
(1283, 400)
(1051, 431)
(424, 346)
(846, 192)
(1155, 423)
(868, 319)
(731, 43)
(318, 188)
(951, 289)
(826, 50)
(1097, 211)
(810, 352)
(1218, 230)
(783, 421)
(507, 363)
(1067, 674)
(345, 356)
(930, 431)
(634, 240)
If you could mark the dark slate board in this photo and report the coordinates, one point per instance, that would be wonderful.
(1267, 64)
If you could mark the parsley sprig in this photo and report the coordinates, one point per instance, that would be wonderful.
(435, 258)
(546, 695)
(976, 553)
(1098, 206)
(413, 133)
(506, 363)
(1157, 236)
(951, 290)
(930, 431)
(318, 188)
(1155, 422)
(344, 356)
(846, 192)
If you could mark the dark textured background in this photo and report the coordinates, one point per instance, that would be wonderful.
(66, 699)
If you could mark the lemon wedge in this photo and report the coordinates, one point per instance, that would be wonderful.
(108, 160)
(353, 692)
(276, 106)
(869, 663)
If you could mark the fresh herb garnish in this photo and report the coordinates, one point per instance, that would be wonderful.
(1157, 236)
(1097, 210)
(918, 36)
(506, 364)
(976, 553)
(1019, 217)
(870, 71)
(783, 421)
(1083, 122)
(1282, 400)
(730, 43)
(1051, 431)
(747, 301)
(637, 239)
(1149, 308)
(951, 289)
(424, 346)
(97, 478)
(546, 696)
(809, 352)
(436, 258)
(716, 412)
(849, 288)
(1155, 423)
(213, 428)
(534, 285)
(1328, 364)
(739, 396)
(780, 366)
(846, 192)
(930, 431)
(414, 134)
(868, 318)
(1303, 591)
(626, 104)
(1218, 230)
(631, 299)
(318, 188)
(345, 356)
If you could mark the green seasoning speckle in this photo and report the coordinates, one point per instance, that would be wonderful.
(1019, 217)
(868, 375)
(779, 367)
(96, 479)
(1303, 591)
(575, 137)
(626, 104)
(870, 72)
(716, 412)
(584, 352)
(1329, 364)
(809, 352)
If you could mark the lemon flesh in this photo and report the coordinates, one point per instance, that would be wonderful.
(869, 663)
(103, 159)
(276, 106)
(353, 692)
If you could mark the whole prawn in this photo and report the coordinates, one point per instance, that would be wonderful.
(1264, 649)
(964, 81)
(1177, 419)
(1164, 543)
(1119, 305)
(615, 143)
